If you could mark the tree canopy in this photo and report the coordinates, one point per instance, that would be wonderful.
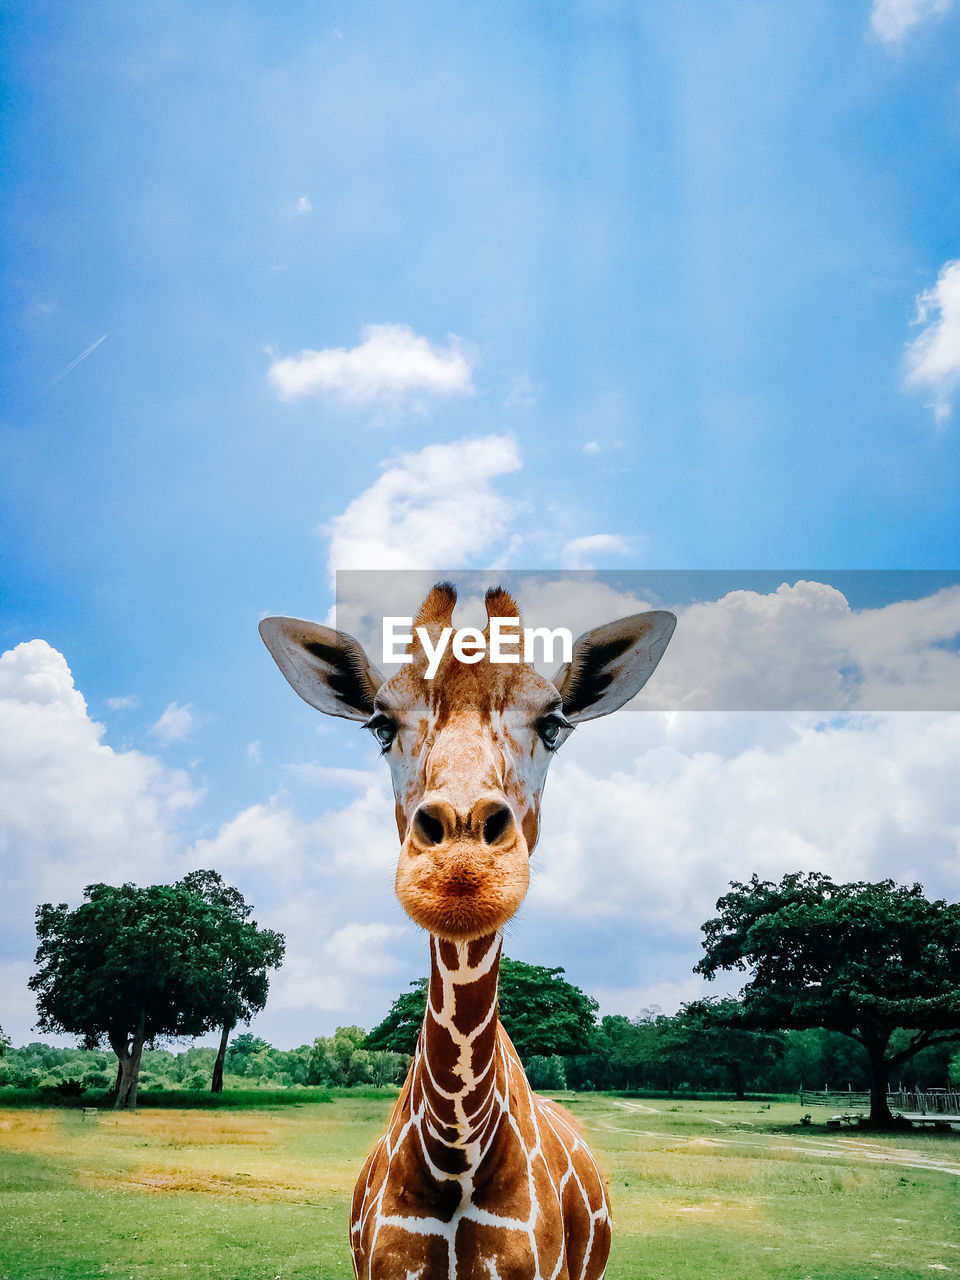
(869, 960)
(543, 1014)
(134, 965)
(235, 989)
(713, 1031)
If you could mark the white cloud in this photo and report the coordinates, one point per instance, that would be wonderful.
(125, 703)
(264, 837)
(802, 646)
(579, 553)
(391, 365)
(304, 205)
(523, 393)
(328, 979)
(654, 842)
(933, 358)
(435, 508)
(311, 876)
(254, 752)
(175, 724)
(892, 19)
(663, 996)
(311, 772)
(73, 810)
(593, 446)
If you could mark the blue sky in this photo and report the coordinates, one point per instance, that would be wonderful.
(687, 269)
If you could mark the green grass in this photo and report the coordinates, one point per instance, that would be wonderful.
(704, 1189)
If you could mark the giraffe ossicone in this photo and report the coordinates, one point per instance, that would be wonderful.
(476, 1177)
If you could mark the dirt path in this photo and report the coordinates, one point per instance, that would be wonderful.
(852, 1149)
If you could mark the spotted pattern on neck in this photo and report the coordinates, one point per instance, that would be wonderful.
(476, 1177)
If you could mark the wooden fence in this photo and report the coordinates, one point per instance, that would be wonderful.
(924, 1102)
(927, 1102)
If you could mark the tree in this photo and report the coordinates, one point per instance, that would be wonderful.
(236, 989)
(867, 960)
(401, 1027)
(4, 1042)
(130, 966)
(712, 1032)
(544, 1015)
(243, 1049)
(341, 1059)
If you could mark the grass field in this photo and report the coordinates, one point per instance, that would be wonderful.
(700, 1189)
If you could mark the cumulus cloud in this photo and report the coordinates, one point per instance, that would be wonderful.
(304, 205)
(308, 878)
(73, 810)
(804, 647)
(892, 19)
(933, 358)
(655, 841)
(175, 724)
(391, 365)
(126, 702)
(580, 553)
(433, 508)
(801, 646)
(327, 979)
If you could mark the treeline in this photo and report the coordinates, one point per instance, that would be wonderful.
(654, 1053)
(849, 984)
(662, 1054)
(340, 1060)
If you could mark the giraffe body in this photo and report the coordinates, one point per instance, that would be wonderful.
(476, 1178)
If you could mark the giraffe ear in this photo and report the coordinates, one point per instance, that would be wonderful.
(612, 663)
(328, 668)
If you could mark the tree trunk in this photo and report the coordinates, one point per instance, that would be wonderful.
(880, 1114)
(216, 1085)
(737, 1070)
(129, 1051)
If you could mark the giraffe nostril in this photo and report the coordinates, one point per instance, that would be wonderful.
(497, 824)
(428, 828)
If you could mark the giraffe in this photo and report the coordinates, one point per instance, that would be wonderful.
(476, 1176)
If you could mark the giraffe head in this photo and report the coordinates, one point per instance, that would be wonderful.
(469, 749)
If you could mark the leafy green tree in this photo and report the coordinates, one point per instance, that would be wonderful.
(547, 1073)
(130, 966)
(387, 1067)
(712, 1032)
(400, 1028)
(4, 1042)
(341, 1059)
(237, 988)
(243, 1048)
(867, 960)
(543, 1014)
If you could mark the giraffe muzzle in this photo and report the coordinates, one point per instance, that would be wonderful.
(462, 874)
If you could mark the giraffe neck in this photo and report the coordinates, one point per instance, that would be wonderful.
(458, 1069)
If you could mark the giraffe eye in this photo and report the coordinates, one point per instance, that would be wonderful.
(549, 730)
(383, 729)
